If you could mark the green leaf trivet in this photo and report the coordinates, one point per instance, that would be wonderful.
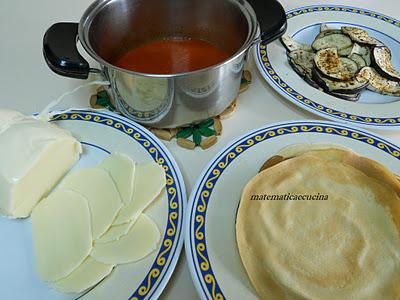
(206, 123)
(184, 133)
(205, 131)
(197, 137)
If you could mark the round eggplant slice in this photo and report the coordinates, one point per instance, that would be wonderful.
(333, 40)
(359, 35)
(345, 51)
(328, 32)
(381, 85)
(359, 60)
(291, 45)
(381, 59)
(334, 67)
(352, 86)
(363, 51)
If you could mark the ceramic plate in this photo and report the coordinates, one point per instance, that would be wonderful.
(102, 133)
(372, 110)
(210, 242)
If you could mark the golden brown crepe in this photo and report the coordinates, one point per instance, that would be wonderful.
(346, 247)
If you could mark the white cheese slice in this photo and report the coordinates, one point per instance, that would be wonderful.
(115, 232)
(122, 169)
(87, 275)
(62, 237)
(8, 116)
(149, 181)
(97, 186)
(140, 241)
(34, 156)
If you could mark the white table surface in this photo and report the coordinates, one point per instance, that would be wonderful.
(27, 84)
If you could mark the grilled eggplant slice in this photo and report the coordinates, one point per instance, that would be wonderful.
(334, 67)
(363, 51)
(291, 45)
(359, 60)
(349, 97)
(333, 40)
(304, 74)
(302, 63)
(323, 27)
(345, 51)
(351, 86)
(359, 35)
(381, 59)
(381, 85)
(328, 32)
(304, 59)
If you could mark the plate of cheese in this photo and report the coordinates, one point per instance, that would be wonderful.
(91, 207)
(298, 210)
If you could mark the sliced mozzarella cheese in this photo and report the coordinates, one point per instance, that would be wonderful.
(140, 241)
(61, 234)
(148, 183)
(8, 116)
(97, 186)
(115, 232)
(34, 155)
(122, 169)
(87, 275)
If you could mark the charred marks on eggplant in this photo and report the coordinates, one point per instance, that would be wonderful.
(343, 62)
(359, 35)
(382, 63)
(380, 84)
(302, 63)
(351, 86)
(334, 67)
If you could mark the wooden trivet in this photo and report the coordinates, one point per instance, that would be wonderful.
(204, 134)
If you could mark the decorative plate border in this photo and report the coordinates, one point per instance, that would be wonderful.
(311, 105)
(195, 236)
(171, 245)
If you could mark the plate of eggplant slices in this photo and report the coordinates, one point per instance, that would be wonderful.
(339, 62)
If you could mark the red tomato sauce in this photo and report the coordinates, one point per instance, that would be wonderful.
(170, 56)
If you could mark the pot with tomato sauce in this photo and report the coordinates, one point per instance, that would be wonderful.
(169, 63)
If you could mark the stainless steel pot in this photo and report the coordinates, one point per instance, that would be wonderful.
(108, 28)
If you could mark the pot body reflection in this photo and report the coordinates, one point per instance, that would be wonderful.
(175, 101)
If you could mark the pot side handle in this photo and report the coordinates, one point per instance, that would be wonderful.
(61, 53)
(271, 17)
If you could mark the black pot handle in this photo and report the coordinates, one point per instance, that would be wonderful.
(271, 17)
(61, 53)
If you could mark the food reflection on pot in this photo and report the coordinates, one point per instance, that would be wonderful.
(169, 63)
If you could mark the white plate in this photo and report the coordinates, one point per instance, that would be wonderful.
(210, 242)
(102, 133)
(372, 110)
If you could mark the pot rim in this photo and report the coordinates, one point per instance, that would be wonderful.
(98, 5)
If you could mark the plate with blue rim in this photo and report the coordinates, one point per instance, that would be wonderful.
(372, 110)
(102, 133)
(210, 238)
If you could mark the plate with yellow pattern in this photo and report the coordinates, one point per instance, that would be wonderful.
(372, 110)
(100, 134)
(210, 237)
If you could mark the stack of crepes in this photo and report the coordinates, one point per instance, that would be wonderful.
(344, 247)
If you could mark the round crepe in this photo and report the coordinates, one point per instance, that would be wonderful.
(346, 247)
